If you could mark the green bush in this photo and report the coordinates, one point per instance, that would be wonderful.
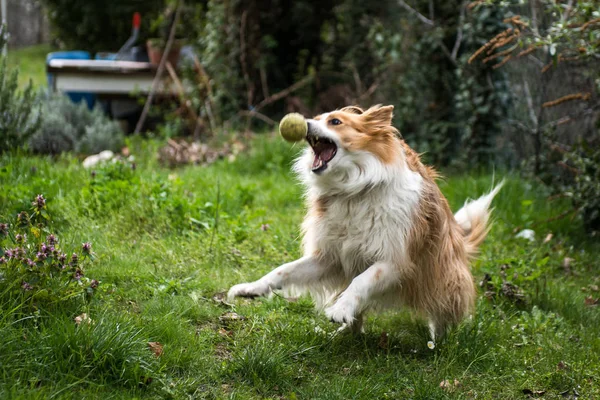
(99, 25)
(16, 126)
(73, 127)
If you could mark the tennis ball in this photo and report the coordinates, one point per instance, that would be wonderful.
(293, 127)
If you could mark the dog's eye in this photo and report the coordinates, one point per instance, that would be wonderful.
(335, 121)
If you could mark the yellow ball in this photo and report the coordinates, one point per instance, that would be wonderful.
(293, 127)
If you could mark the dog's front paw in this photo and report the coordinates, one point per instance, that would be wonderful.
(343, 312)
(252, 289)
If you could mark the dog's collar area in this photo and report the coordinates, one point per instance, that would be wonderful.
(324, 150)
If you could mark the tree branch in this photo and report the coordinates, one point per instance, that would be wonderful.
(160, 70)
(459, 34)
(420, 16)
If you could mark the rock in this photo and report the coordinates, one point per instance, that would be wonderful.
(527, 234)
(95, 159)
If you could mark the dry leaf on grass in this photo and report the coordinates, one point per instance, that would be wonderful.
(156, 348)
(225, 333)
(450, 385)
(221, 298)
(231, 316)
(82, 318)
(591, 301)
(533, 393)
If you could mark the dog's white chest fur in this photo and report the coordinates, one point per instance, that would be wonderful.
(355, 232)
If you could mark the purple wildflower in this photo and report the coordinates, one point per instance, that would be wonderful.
(26, 286)
(4, 229)
(39, 202)
(23, 218)
(94, 284)
(74, 259)
(51, 239)
(2, 260)
(78, 274)
(9, 254)
(62, 258)
(20, 238)
(30, 262)
(86, 248)
(40, 256)
(44, 248)
(19, 252)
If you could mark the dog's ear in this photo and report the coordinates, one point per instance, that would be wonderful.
(380, 115)
(353, 110)
(378, 121)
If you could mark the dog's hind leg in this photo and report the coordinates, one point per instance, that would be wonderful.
(301, 272)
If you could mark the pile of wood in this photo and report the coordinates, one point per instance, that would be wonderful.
(176, 153)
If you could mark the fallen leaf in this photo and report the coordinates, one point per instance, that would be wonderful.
(445, 384)
(548, 238)
(156, 348)
(224, 332)
(591, 301)
(561, 365)
(221, 298)
(226, 388)
(231, 316)
(457, 383)
(533, 393)
(82, 318)
(593, 288)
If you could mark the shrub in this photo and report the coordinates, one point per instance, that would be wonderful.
(98, 25)
(16, 126)
(34, 269)
(67, 126)
(550, 52)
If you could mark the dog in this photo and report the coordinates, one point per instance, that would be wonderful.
(378, 231)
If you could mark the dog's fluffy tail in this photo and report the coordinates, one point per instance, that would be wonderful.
(473, 218)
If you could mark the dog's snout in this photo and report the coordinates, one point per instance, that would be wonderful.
(310, 123)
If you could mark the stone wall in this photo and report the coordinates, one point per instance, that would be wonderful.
(27, 23)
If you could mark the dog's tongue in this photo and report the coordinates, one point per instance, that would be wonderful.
(324, 152)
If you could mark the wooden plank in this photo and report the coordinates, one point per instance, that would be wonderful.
(107, 84)
(99, 67)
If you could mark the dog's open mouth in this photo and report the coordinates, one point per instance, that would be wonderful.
(324, 150)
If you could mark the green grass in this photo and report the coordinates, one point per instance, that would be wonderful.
(167, 241)
(31, 62)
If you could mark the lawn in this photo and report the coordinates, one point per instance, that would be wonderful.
(31, 62)
(168, 243)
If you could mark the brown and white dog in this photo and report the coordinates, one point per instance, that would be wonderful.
(378, 231)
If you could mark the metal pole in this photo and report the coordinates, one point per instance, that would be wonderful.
(4, 19)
